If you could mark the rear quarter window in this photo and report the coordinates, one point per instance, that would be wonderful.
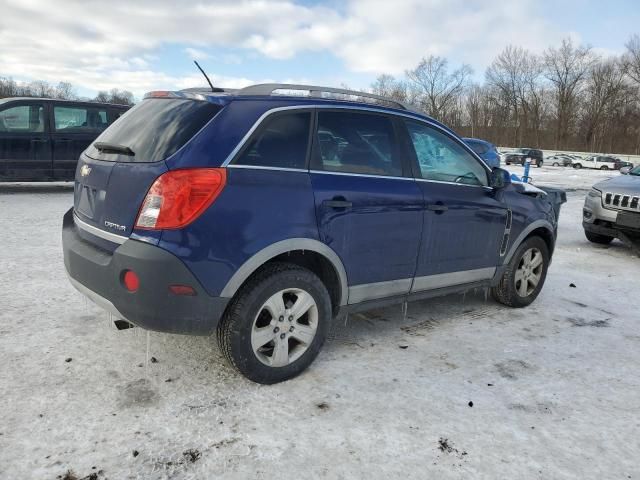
(154, 129)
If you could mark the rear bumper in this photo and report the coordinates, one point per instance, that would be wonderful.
(98, 274)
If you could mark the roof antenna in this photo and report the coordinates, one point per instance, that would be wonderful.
(213, 89)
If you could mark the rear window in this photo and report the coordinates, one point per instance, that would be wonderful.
(154, 129)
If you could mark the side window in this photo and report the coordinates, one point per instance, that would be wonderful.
(79, 119)
(282, 141)
(354, 142)
(23, 119)
(442, 159)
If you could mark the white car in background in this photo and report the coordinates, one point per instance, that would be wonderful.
(597, 162)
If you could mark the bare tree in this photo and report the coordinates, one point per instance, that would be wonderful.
(438, 90)
(514, 73)
(566, 68)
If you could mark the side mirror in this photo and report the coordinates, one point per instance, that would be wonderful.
(499, 178)
(625, 170)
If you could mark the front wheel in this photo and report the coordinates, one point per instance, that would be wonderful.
(525, 274)
(577, 166)
(604, 167)
(276, 324)
(555, 164)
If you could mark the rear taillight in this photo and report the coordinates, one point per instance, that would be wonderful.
(178, 197)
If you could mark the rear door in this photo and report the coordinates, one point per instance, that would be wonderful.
(368, 208)
(463, 221)
(25, 146)
(75, 126)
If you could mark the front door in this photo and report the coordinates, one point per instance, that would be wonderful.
(368, 208)
(25, 145)
(463, 221)
(74, 128)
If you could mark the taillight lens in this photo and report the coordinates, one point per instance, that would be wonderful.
(178, 197)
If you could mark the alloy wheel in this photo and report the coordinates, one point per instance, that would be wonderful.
(529, 272)
(284, 327)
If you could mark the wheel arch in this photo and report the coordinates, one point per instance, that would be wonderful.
(305, 252)
(539, 228)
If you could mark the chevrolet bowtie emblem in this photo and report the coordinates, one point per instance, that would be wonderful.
(85, 170)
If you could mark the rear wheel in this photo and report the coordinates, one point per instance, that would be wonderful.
(604, 167)
(276, 324)
(538, 163)
(525, 275)
(577, 165)
(597, 238)
(555, 164)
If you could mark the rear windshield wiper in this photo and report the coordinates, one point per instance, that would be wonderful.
(113, 148)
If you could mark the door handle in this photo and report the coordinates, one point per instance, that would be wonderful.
(337, 203)
(439, 208)
(39, 140)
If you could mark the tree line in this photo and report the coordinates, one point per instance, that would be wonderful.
(63, 90)
(567, 98)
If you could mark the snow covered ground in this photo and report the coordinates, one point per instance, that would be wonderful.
(461, 388)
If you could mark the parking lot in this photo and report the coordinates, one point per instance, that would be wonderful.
(462, 387)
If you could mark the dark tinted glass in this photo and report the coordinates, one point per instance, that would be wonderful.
(479, 148)
(357, 143)
(71, 119)
(155, 129)
(281, 142)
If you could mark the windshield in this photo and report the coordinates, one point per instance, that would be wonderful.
(635, 171)
(153, 130)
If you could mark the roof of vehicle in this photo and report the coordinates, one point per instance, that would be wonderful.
(59, 100)
(303, 94)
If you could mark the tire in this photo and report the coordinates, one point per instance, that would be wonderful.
(250, 312)
(555, 164)
(597, 238)
(538, 163)
(577, 166)
(604, 167)
(507, 290)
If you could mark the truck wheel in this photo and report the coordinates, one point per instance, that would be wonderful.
(538, 163)
(577, 165)
(276, 324)
(604, 167)
(597, 238)
(525, 275)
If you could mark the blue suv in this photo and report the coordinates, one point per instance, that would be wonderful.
(485, 150)
(261, 214)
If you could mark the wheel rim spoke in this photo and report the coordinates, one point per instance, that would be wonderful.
(275, 305)
(304, 333)
(522, 288)
(302, 305)
(280, 356)
(261, 336)
(537, 261)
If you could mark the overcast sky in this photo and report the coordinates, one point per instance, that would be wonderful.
(141, 45)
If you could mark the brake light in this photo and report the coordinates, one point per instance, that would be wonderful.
(178, 197)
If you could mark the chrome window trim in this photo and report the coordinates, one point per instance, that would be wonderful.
(367, 175)
(454, 183)
(413, 116)
(112, 237)
(261, 167)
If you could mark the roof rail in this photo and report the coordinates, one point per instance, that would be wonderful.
(316, 91)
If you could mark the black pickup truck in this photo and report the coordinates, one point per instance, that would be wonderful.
(41, 139)
(520, 156)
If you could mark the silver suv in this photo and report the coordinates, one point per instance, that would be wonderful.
(612, 209)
